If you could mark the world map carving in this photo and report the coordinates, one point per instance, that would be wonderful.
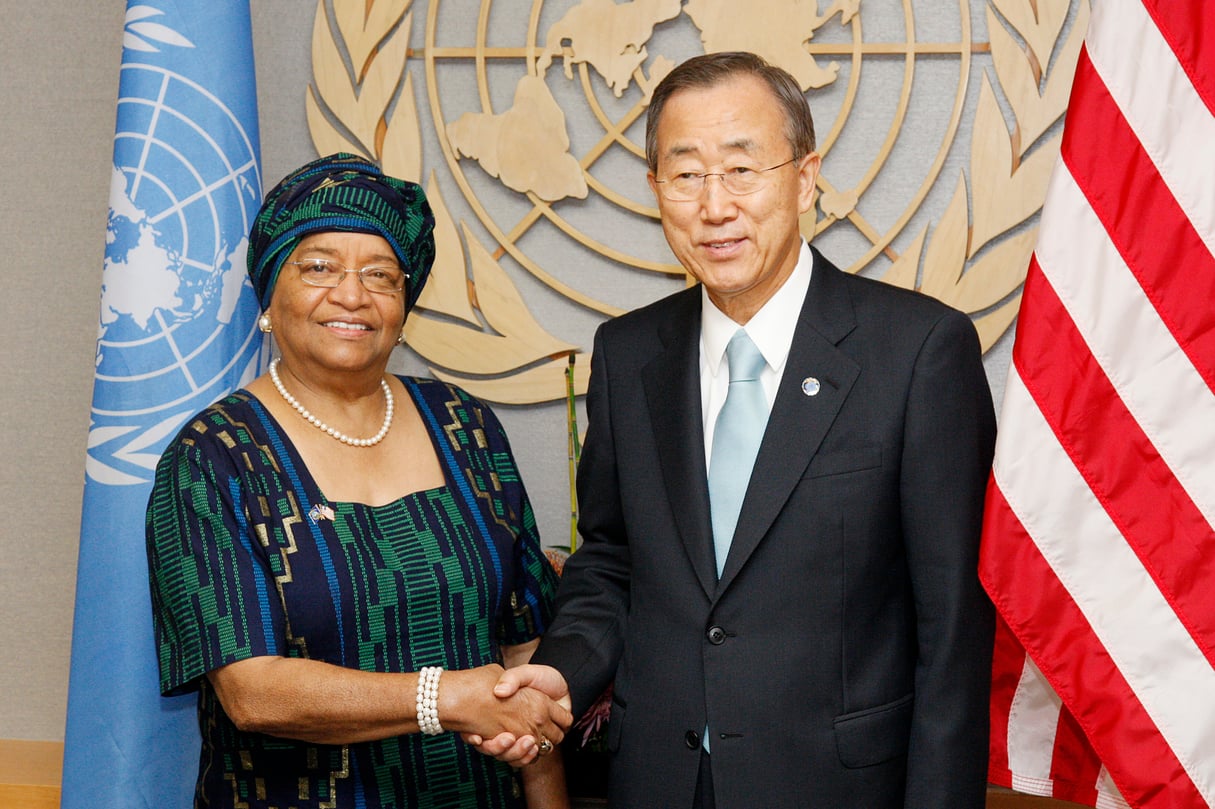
(526, 147)
(475, 328)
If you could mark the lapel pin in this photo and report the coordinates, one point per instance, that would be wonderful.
(320, 512)
(810, 386)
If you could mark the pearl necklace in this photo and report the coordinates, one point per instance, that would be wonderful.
(325, 428)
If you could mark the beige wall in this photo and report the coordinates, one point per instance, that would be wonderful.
(57, 93)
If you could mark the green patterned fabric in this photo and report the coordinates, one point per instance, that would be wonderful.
(247, 558)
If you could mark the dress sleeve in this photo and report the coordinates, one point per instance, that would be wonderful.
(212, 587)
(529, 605)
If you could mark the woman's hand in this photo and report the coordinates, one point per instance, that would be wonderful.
(482, 703)
(517, 750)
(319, 702)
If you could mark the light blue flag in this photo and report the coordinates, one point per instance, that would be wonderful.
(177, 331)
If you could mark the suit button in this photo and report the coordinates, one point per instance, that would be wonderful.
(716, 635)
(691, 739)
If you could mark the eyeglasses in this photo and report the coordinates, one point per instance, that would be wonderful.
(321, 272)
(739, 181)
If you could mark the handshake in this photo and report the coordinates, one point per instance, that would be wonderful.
(524, 714)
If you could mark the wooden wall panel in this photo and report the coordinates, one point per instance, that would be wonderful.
(30, 774)
(1000, 798)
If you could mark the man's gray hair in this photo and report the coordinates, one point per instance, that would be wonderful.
(711, 69)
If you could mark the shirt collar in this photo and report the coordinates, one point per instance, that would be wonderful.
(771, 328)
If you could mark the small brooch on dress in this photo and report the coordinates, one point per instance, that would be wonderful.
(320, 512)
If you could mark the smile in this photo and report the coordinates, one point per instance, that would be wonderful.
(338, 324)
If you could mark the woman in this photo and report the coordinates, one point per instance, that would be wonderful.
(341, 558)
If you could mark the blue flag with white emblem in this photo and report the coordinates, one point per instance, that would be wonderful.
(177, 331)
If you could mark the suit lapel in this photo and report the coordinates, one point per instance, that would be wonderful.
(798, 421)
(672, 389)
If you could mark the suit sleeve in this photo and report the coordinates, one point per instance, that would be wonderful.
(949, 440)
(586, 638)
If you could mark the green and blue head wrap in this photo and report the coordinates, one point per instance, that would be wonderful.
(346, 193)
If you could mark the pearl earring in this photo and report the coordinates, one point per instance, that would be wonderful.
(263, 323)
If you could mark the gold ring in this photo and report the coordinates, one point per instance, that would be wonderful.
(546, 747)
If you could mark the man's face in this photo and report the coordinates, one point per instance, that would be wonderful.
(742, 248)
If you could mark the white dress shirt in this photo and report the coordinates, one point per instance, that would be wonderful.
(771, 329)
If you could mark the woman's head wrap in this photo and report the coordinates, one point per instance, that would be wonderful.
(342, 192)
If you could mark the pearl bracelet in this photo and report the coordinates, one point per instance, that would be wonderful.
(428, 700)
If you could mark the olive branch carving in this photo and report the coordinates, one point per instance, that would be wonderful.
(478, 327)
(1007, 181)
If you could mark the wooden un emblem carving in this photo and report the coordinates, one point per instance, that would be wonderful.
(536, 167)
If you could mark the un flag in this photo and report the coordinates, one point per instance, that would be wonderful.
(176, 331)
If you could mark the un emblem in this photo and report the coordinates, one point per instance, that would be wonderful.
(539, 186)
(177, 311)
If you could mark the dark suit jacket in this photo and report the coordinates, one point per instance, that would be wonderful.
(843, 659)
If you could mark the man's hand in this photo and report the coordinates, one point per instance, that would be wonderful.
(469, 703)
(533, 675)
(522, 750)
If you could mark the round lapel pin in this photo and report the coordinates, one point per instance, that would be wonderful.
(810, 386)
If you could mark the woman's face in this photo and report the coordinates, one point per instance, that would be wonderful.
(345, 328)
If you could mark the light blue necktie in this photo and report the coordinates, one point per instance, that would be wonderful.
(736, 438)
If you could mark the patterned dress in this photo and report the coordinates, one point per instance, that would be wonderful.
(248, 558)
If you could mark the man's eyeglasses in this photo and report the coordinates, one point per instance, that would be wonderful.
(739, 181)
(321, 272)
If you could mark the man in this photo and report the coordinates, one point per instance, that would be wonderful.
(835, 644)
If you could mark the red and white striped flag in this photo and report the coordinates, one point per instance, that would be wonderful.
(1098, 543)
